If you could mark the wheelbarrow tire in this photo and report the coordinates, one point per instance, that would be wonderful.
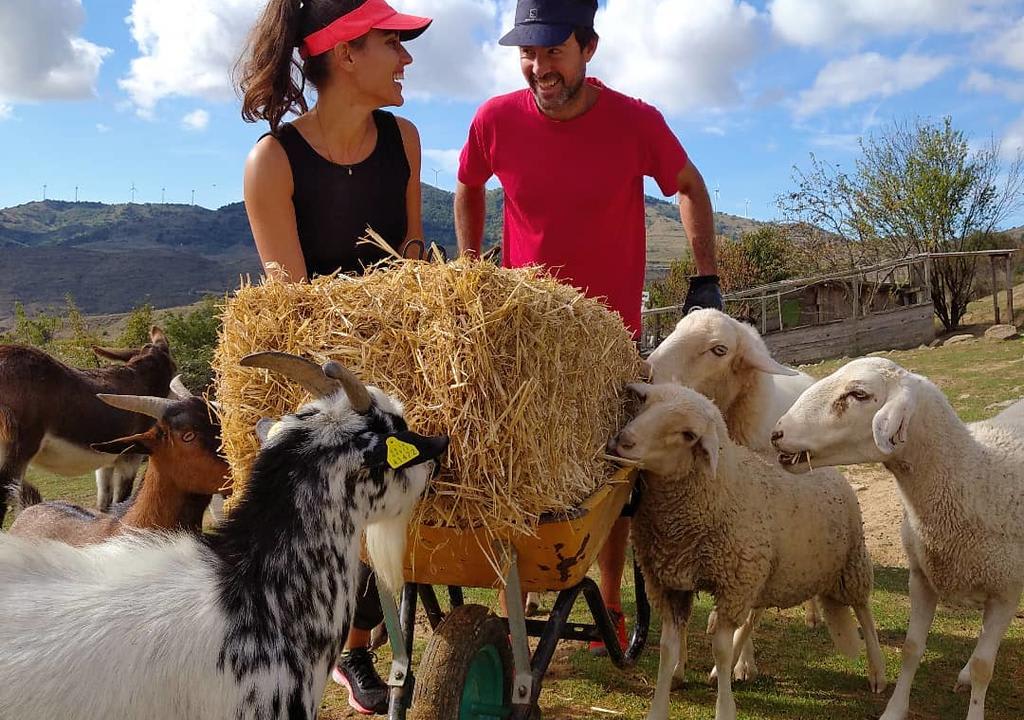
(466, 671)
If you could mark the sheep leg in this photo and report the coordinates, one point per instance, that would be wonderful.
(721, 648)
(743, 649)
(922, 611)
(999, 612)
(876, 663)
(812, 615)
(670, 650)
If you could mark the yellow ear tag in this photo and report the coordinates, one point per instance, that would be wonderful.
(400, 452)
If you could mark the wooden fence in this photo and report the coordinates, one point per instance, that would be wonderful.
(880, 307)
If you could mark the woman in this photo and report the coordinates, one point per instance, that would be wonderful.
(313, 186)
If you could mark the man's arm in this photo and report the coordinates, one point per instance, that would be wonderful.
(470, 211)
(698, 220)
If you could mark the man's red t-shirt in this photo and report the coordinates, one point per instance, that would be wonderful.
(574, 190)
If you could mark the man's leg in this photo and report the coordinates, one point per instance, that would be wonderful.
(367, 692)
(611, 561)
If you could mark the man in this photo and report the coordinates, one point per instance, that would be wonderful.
(571, 155)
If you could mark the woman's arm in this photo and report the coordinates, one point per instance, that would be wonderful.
(268, 191)
(413, 191)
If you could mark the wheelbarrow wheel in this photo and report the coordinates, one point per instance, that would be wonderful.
(466, 671)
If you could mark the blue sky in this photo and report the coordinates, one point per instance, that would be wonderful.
(104, 94)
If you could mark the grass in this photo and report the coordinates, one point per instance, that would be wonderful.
(801, 675)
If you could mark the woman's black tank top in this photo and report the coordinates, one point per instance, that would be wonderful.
(335, 203)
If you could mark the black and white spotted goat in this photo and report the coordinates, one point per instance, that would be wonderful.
(241, 625)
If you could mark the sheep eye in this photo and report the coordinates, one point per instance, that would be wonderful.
(188, 436)
(720, 350)
(859, 395)
(689, 436)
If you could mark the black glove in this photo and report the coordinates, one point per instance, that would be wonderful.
(703, 292)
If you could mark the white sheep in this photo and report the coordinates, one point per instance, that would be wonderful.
(728, 361)
(714, 516)
(963, 497)
(244, 624)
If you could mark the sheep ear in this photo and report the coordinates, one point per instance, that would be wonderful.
(756, 356)
(889, 425)
(639, 389)
(709, 443)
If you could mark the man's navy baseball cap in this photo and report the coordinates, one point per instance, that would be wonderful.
(546, 23)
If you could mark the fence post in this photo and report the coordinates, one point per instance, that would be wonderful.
(995, 288)
(1009, 288)
(764, 314)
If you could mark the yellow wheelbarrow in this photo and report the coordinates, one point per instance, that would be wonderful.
(476, 665)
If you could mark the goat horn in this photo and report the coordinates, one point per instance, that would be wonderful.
(305, 372)
(153, 407)
(357, 393)
(178, 388)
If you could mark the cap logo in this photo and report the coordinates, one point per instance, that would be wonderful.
(533, 13)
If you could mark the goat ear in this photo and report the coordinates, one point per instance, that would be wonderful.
(889, 426)
(265, 429)
(709, 444)
(116, 354)
(133, 444)
(157, 337)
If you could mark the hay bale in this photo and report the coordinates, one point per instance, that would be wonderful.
(524, 373)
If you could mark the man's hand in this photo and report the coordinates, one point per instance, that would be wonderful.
(703, 292)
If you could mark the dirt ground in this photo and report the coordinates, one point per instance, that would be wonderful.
(882, 509)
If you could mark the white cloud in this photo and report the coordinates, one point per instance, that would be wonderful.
(678, 56)
(825, 23)
(42, 56)
(985, 83)
(196, 120)
(1013, 140)
(1008, 47)
(187, 48)
(869, 75)
(444, 160)
(6, 112)
(100, 127)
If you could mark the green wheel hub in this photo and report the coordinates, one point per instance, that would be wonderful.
(484, 691)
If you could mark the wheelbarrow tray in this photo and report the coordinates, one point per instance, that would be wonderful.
(556, 558)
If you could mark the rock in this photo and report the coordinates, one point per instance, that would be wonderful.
(957, 339)
(1001, 332)
(935, 343)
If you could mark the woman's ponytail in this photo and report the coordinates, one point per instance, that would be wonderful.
(264, 71)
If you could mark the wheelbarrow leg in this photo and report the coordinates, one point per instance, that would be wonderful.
(400, 633)
(522, 681)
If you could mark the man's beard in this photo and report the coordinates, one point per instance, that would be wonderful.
(565, 95)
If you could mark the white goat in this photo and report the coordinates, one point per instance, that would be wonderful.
(963, 497)
(716, 517)
(728, 361)
(244, 624)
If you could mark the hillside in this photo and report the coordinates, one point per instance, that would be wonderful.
(114, 257)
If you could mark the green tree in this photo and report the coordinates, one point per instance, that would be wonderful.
(136, 327)
(38, 330)
(916, 188)
(193, 338)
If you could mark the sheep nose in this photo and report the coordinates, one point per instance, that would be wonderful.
(776, 436)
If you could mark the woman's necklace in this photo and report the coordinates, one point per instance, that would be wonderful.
(327, 142)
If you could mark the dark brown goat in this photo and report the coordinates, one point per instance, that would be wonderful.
(50, 415)
(184, 471)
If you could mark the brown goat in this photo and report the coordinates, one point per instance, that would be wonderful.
(50, 415)
(184, 471)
